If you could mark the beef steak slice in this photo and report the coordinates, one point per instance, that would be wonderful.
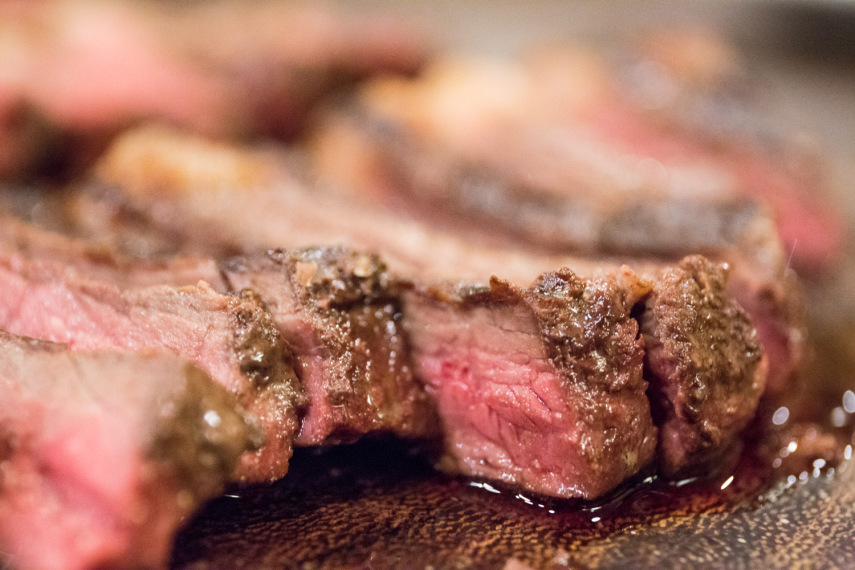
(538, 387)
(229, 336)
(705, 364)
(104, 454)
(287, 212)
(336, 309)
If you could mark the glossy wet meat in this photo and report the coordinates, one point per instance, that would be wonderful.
(343, 318)
(103, 455)
(143, 167)
(705, 364)
(337, 311)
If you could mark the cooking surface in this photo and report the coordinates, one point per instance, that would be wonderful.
(373, 506)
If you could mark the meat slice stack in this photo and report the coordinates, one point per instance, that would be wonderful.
(230, 337)
(563, 287)
(331, 313)
(505, 341)
(103, 454)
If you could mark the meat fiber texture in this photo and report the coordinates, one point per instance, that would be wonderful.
(104, 454)
(77, 72)
(539, 388)
(229, 336)
(336, 310)
(147, 170)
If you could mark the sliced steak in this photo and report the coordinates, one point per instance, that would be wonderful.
(343, 318)
(229, 336)
(336, 310)
(146, 168)
(538, 387)
(410, 175)
(103, 455)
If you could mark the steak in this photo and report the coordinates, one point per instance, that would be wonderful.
(539, 387)
(103, 455)
(231, 337)
(705, 365)
(343, 318)
(499, 358)
(336, 310)
(146, 169)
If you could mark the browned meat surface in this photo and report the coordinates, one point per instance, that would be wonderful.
(343, 319)
(103, 455)
(230, 337)
(146, 169)
(578, 212)
(75, 73)
(705, 365)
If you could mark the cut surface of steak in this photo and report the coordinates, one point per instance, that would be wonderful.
(147, 168)
(285, 211)
(103, 455)
(336, 309)
(343, 319)
(229, 336)
(540, 388)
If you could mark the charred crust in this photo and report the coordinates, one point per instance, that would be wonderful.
(663, 227)
(358, 316)
(339, 277)
(585, 326)
(262, 354)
